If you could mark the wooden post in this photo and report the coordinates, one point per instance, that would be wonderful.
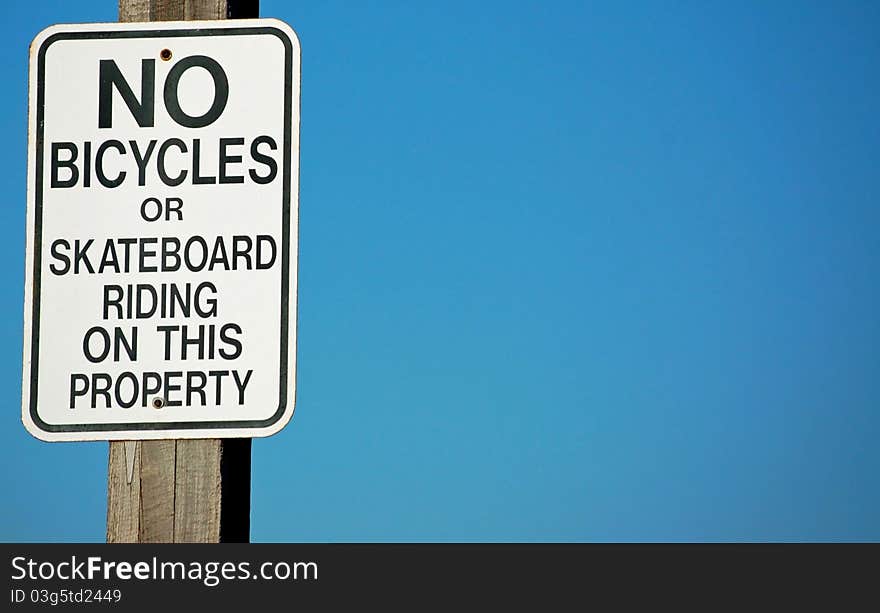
(181, 491)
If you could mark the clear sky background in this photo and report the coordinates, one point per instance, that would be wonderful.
(569, 271)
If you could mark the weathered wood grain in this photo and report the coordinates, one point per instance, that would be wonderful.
(197, 491)
(158, 474)
(123, 499)
(205, 9)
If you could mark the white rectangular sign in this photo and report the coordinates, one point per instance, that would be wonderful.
(163, 169)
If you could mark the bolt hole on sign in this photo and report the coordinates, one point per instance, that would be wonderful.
(163, 181)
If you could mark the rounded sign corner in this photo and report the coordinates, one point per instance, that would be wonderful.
(44, 38)
(274, 427)
(286, 29)
(35, 430)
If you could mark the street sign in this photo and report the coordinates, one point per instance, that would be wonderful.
(163, 179)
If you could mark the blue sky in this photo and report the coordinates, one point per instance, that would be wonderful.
(569, 271)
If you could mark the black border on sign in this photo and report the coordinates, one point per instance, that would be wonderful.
(285, 243)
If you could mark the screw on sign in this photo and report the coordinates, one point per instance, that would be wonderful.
(162, 198)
